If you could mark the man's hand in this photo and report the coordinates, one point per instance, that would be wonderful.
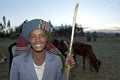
(70, 61)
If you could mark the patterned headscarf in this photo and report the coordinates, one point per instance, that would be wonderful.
(21, 47)
(36, 24)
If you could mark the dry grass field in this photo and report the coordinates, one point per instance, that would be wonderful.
(106, 49)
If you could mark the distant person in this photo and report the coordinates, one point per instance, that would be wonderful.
(94, 36)
(88, 36)
(38, 64)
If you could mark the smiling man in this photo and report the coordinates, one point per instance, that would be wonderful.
(38, 64)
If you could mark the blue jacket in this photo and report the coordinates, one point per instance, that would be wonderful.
(23, 69)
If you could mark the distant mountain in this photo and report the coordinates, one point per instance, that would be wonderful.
(105, 30)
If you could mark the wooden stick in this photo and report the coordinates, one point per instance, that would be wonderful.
(72, 36)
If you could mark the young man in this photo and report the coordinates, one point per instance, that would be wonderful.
(38, 64)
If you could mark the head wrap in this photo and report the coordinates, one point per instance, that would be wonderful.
(36, 24)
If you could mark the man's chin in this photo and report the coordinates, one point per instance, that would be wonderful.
(39, 51)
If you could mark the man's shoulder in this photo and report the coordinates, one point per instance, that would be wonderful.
(52, 55)
(20, 57)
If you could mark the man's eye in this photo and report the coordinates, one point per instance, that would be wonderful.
(42, 35)
(32, 36)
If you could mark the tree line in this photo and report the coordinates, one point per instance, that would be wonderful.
(6, 30)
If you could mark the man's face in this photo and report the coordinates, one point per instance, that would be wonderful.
(37, 39)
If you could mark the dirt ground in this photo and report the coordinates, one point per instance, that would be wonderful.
(107, 50)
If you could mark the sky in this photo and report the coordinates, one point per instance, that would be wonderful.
(102, 15)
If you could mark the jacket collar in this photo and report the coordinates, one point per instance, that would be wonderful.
(30, 66)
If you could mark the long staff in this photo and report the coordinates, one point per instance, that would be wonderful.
(72, 36)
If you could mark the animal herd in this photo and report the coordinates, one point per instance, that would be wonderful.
(81, 49)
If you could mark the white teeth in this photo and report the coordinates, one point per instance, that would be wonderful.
(37, 45)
